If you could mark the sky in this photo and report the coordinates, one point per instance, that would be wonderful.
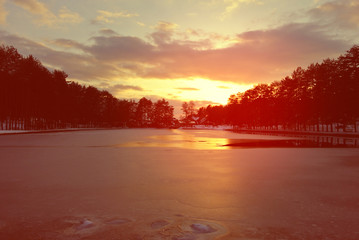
(180, 50)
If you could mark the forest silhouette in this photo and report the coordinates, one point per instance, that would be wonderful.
(322, 97)
(33, 97)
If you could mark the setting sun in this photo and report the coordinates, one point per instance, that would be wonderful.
(202, 90)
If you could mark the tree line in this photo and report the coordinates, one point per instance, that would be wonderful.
(322, 97)
(33, 97)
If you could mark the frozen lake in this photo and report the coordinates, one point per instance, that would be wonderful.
(175, 184)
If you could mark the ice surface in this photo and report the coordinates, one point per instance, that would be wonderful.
(85, 224)
(202, 228)
(184, 237)
(53, 183)
(159, 223)
(118, 221)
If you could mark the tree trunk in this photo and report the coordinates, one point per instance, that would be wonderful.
(355, 126)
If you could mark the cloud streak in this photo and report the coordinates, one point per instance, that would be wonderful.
(188, 89)
(227, 6)
(121, 87)
(110, 17)
(108, 32)
(232, 5)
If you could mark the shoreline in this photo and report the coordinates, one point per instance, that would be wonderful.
(298, 133)
(246, 131)
(18, 132)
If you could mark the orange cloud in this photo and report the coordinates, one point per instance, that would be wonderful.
(231, 5)
(166, 26)
(108, 32)
(228, 6)
(33, 6)
(67, 16)
(3, 12)
(109, 17)
(45, 15)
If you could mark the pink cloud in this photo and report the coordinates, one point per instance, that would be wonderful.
(78, 66)
(262, 55)
(258, 56)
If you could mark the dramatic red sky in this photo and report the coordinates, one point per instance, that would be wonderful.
(180, 50)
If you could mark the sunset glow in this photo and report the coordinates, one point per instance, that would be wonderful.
(178, 50)
(182, 89)
(179, 119)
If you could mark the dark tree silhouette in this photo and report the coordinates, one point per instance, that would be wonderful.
(189, 111)
(162, 114)
(32, 97)
(144, 112)
(322, 97)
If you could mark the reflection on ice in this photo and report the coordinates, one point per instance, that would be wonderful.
(179, 141)
(187, 139)
(196, 140)
(294, 143)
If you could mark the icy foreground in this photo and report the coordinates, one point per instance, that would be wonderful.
(173, 184)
